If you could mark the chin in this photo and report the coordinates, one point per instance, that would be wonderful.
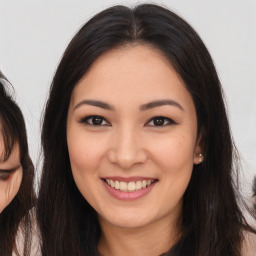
(129, 220)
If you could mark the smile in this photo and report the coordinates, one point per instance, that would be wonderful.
(129, 186)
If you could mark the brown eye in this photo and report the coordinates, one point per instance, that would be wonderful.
(95, 121)
(160, 121)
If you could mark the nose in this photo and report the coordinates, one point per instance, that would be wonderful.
(127, 149)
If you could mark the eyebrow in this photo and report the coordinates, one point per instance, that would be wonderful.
(159, 103)
(95, 103)
(147, 106)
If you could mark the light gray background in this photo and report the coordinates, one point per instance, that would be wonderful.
(34, 34)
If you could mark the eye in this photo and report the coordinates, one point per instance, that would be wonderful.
(5, 174)
(95, 121)
(160, 121)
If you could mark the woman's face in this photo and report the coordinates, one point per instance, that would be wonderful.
(10, 175)
(132, 137)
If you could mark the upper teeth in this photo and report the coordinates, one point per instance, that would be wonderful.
(129, 186)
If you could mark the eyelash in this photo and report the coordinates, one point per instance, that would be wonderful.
(89, 121)
(4, 175)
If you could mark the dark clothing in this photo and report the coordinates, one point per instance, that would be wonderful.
(184, 247)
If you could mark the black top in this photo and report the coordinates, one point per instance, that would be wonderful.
(185, 247)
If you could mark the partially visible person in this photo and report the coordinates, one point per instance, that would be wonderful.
(17, 196)
(254, 193)
(249, 248)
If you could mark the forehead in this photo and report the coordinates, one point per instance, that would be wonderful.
(14, 154)
(134, 70)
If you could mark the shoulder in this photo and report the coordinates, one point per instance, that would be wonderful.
(33, 238)
(249, 244)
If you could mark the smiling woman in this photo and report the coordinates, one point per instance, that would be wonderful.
(138, 156)
(16, 178)
(146, 143)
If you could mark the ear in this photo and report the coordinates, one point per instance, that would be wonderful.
(199, 153)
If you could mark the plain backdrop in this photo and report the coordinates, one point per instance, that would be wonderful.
(34, 34)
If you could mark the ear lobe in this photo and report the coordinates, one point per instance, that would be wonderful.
(199, 154)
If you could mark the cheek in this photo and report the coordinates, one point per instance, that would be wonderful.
(85, 153)
(9, 189)
(174, 151)
(174, 158)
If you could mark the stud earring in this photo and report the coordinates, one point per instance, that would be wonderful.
(200, 157)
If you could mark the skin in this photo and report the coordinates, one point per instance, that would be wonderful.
(10, 175)
(128, 144)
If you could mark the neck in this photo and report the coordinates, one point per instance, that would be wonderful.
(154, 239)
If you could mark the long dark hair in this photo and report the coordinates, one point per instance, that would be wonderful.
(211, 214)
(16, 214)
